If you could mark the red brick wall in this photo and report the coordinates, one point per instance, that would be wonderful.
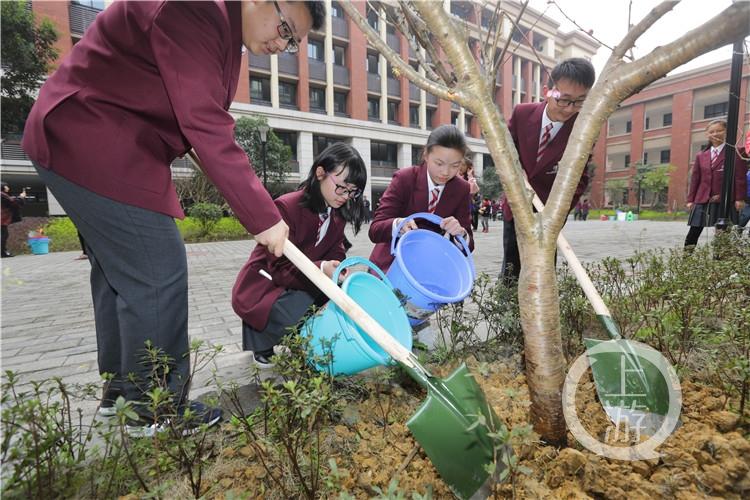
(357, 55)
(682, 110)
(243, 86)
(303, 85)
(57, 12)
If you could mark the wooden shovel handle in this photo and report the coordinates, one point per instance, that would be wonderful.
(600, 308)
(351, 308)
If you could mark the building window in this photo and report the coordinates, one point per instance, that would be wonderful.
(714, 110)
(288, 94)
(383, 152)
(336, 10)
(392, 111)
(645, 158)
(372, 63)
(628, 126)
(430, 117)
(416, 154)
(627, 161)
(648, 123)
(260, 89)
(315, 49)
(414, 116)
(667, 120)
(373, 19)
(289, 139)
(96, 4)
(339, 102)
(317, 99)
(373, 108)
(320, 142)
(467, 124)
(339, 55)
(664, 156)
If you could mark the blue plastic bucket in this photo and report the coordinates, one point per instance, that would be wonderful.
(428, 269)
(336, 339)
(39, 246)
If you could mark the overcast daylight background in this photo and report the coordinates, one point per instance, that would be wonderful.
(609, 20)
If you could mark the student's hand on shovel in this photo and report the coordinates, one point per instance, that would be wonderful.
(274, 237)
(451, 226)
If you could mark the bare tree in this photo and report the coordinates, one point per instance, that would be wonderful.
(465, 74)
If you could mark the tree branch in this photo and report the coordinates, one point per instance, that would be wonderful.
(635, 33)
(440, 91)
(423, 34)
(399, 20)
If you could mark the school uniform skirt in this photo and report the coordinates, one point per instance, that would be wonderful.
(703, 215)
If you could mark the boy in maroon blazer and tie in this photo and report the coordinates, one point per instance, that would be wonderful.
(146, 83)
(540, 132)
(432, 186)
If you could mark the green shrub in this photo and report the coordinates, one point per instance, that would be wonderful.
(62, 234)
(207, 215)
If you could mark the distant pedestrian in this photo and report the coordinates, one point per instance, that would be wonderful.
(585, 205)
(11, 213)
(368, 211)
(577, 211)
(706, 183)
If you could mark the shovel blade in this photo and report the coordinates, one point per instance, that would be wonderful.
(442, 426)
(627, 382)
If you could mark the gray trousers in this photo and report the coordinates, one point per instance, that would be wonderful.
(138, 283)
(288, 310)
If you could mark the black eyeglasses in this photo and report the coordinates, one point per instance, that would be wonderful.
(564, 103)
(340, 190)
(285, 32)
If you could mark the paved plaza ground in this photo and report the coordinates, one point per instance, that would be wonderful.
(48, 324)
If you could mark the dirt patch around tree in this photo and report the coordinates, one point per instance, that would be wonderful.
(707, 456)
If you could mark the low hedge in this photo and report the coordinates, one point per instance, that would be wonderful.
(655, 215)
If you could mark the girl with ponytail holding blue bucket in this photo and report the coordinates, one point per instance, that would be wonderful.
(433, 186)
(270, 293)
(420, 204)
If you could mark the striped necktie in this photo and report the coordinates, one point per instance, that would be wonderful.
(543, 143)
(321, 220)
(714, 159)
(434, 195)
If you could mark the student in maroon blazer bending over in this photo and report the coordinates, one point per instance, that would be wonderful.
(540, 132)
(146, 83)
(432, 186)
(706, 183)
(271, 294)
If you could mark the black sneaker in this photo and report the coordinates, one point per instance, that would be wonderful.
(191, 418)
(263, 359)
(110, 394)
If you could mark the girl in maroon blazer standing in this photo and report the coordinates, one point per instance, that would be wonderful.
(432, 186)
(271, 294)
(706, 183)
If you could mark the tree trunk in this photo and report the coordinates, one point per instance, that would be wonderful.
(540, 319)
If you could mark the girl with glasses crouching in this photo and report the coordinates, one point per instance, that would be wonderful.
(271, 294)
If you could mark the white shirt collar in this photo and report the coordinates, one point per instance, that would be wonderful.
(431, 185)
(717, 149)
(556, 126)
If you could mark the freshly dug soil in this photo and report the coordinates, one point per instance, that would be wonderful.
(707, 456)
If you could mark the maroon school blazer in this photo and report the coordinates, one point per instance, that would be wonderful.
(148, 81)
(407, 194)
(525, 125)
(253, 294)
(706, 182)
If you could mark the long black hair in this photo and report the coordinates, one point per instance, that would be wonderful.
(447, 136)
(335, 158)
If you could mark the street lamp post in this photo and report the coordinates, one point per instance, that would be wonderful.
(263, 133)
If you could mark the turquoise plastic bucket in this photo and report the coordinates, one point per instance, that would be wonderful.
(428, 269)
(39, 246)
(334, 337)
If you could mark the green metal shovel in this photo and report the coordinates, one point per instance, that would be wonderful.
(446, 424)
(630, 387)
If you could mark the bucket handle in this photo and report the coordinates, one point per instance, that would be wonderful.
(355, 261)
(435, 219)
